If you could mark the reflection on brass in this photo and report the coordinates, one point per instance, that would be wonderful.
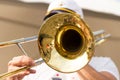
(69, 45)
(65, 43)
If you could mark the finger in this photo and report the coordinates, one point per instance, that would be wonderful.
(21, 75)
(24, 73)
(32, 71)
(22, 61)
(12, 68)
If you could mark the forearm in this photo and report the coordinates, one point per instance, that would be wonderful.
(88, 73)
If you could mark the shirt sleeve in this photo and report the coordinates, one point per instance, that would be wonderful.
(105, 64)
(44, 72)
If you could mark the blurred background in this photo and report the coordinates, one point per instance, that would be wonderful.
(19, 19)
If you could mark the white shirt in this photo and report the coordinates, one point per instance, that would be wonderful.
(99, 63)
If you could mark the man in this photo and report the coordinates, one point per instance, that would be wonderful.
(99, 68)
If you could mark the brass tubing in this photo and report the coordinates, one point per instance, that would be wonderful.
(21, 40)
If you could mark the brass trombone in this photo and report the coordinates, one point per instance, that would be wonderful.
(65, 42)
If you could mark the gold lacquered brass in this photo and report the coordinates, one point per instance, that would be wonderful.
(65, 42)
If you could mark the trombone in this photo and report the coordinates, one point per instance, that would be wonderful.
(64, 40)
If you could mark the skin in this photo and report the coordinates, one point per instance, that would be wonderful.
(87, 73)
(18, 62)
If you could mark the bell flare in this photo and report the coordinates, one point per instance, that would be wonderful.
(65, 42)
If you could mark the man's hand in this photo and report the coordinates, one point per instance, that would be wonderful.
(18, 62)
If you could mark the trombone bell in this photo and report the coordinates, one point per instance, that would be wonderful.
(65, 42)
